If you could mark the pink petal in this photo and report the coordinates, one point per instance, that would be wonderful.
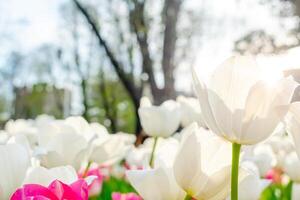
(80, 187)
(116, 196)
(33, 192)
(63, 191)
(127, 196)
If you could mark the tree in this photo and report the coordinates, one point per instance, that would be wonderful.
(138, 23)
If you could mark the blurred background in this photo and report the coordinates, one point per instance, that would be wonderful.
(97, 58)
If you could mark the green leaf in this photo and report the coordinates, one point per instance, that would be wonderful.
(114, 185)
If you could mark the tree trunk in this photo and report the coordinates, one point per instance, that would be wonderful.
(85, 99)
(139, 26)
(133, 91)
(170, 18)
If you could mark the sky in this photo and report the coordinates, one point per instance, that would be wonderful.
(34, 21)
(27, 24)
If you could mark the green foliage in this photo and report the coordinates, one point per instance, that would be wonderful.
(113, 185)
(111, 103)
(278, 192)
(40, 99)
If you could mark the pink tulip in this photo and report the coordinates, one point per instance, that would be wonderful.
(127, 196)
(55, 191)
(96, 185)
(275, 175)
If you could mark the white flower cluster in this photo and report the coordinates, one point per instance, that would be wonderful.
(241, 135)
(45, 149)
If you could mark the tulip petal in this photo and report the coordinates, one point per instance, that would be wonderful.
(158, 184)
(29, 191)
(263, 104)
(14, 161)
(292, 122)
(202, 93)
(187, 168)
(44, 176)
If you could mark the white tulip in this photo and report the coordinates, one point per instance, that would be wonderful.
(166, 149)
(4, 136)
(109, 151)
(82, 127)
(138, 157)
(292, 166)
(127, 138)
(166, 153)
(42, 120)
(293, 124)
(158, 184)
(22, 127)
(202, 166)
(44, 176)
(295, 191)
(145, 102)
(280, 143)
(60, 144)
(160, 121)
(190, 111)
(14, 161)
(238, 105)
(252, 186)
(264, 158)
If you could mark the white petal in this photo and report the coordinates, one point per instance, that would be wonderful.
(232, 80)
(14, 161)
(201, 91)
(44, 176)
(161, 120)
(263, 103)
(158, 184)
(293, 124)
(187, 168)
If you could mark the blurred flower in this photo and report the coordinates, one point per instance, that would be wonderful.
(57, 190)
(238, 105)
(190, 111)
(295, 191)
(160, 121)
(3, 137)
(264, 158)
(44, 176)
(22, 127)
(145, 102)
(126, 196)
(158, 184)
(96, 185)
(60, 144)
(14, 161)
(202, 166)
(293, 124)
(137, 157)
(292, 166)
(110, 150)
(251, 187)
(280, 143)
(275, 175)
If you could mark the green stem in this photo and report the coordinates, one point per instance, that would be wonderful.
(188, 197)
(86, 170)
(236, 148)
(151, 162)
(289, 190)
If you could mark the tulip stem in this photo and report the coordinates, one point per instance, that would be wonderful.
(86, 170)
(151, 161)
(289, 190)
(188, 197)
(236, 148)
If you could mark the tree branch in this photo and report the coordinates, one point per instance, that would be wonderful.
(133, 91)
